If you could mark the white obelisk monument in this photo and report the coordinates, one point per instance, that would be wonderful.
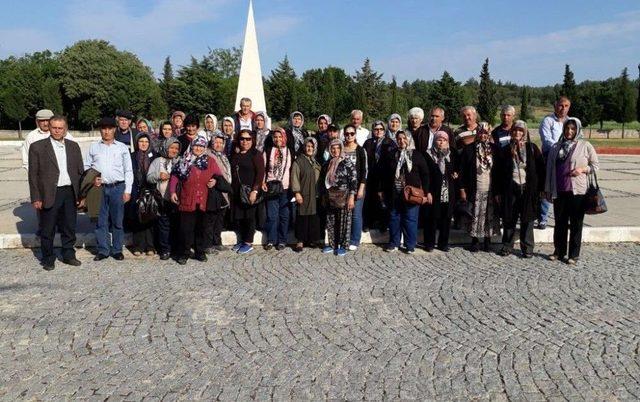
(250, 83)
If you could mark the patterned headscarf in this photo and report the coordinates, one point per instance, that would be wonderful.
(298, 135)
(201, 162)
(566, 145)
(403, 156)
(334, 162)
(484, 149)
(440, 156)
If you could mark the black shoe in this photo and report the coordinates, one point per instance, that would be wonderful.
(541, 226)
(165, 256)
(298, 249)
(445, 249)
(49, 266)
(100, 257)
(280, 247)
(182, 260)
(504, 252)
(268, 246)
(429, 249)
(73, 261)
(475, 247)
(527, 255)
(201, 257)
(486, 246)
(118, 256)
(365, 230)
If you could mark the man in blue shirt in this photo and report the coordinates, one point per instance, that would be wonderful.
(124, 132)
(113, 160)
(550, 132)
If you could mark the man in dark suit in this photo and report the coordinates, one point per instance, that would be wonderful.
(55, 167)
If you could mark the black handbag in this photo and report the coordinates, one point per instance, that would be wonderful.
(274, 189)
(148, 205)
(594, 200)
(245, 192)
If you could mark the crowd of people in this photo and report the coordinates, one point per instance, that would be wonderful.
(177, 188)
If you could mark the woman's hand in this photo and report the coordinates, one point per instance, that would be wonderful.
(264, 187)
(253, 196)
(164, 176)
(360, 194)
(351, 202)
(428, 199)
(211, 183)
(578, 171)
(463, 195)
(174, 198)
(299, 199)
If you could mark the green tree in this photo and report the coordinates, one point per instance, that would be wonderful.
(197, 89)
(638, 97)
(281, 88)
(487, 103)
(167, 84)
(14, 105)
(370, 91)
(586, 107)
(625, 100)
(569, 88)
(94, 69)
(524, 103)
(448, 94)
(224, 62)
(89, 113)
(397, 103)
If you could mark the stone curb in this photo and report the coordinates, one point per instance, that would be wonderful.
(621, 234)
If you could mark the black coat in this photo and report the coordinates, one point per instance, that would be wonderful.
(418, 177)
(44, 172)
(504, 184)
(468, 171)
(216, 200)
(435, 178)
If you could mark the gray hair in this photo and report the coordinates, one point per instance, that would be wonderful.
(245, 100)
(59, 117)
(438, 108)
(416, 112)
(471, 108)
(356, 112)
(508, 109)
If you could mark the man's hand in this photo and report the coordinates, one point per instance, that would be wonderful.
(126, 197)
(97, 182)
(497, 199)
(211, 183)
(428, 199)
(351, 203)
(80, 203)
(37, 205)
(164, 176)
(463, 195)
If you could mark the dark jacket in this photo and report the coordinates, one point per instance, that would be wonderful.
(435, 180)
(91, 194)
(418, 177)
(468, 171)
(534, 184)
(216, 200)
(361, 165)
(422, 140)
(375, 167)
(44, 171)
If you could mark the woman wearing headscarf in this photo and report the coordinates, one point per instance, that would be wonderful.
(191, 131)
(520, 182)
(278, 160)
(228, 130)
(177, 120)
(296, 133)
(219, 198)
(210, 127)
(247, 174)
(140, 162)
(261, 130)
(394, 125)
(323, 122)
(159, 174)
(339, 185)
(358, 156)
(196, 175)
(165, 130)
(376, 148)
(569, 162)
(323, 154)
(404, 167)
(443, 179)
(145, 126)
(305, 173)
(477, 173)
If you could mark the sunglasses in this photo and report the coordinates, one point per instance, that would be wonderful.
(245, 138)
(349, 133)
(378, 129)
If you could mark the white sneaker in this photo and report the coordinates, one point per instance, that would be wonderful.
(353, 248)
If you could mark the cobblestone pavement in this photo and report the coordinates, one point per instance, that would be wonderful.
(298, 327)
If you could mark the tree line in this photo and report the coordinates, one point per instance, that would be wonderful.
(92, 78)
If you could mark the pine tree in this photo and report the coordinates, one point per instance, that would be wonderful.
(524, 103)
(624, 99)
(167, 86)
(282, 90)
(487, 103)
(569, 84)
(447, 93)
(370, 91)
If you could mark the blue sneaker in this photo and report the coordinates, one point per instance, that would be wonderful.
(341, 252)
(245, 248)
(327, 250)
(237, 247)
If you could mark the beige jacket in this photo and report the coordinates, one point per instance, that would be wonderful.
(584, 155)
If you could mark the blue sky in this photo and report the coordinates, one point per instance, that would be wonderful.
(526, 42)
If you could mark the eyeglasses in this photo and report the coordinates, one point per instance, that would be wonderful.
(378, 129)
(245, 138)
(349, 133)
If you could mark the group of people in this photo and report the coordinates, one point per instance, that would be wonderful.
(179, 187)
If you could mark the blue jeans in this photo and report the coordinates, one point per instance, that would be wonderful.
(356, 223)
(110, 219)
(403, 220)
(277, 224)
(545, 206)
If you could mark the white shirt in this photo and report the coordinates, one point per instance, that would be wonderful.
(60, 150)
(33, 136)
(362, 134)
(550, 131)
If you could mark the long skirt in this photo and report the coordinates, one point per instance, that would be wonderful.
(484, 223)
(339, 227)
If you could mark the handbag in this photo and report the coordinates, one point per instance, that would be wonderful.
(337, 197)
(594, 200)
(274, 189)
(414, 195)
(245, 192)
(148, 205)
